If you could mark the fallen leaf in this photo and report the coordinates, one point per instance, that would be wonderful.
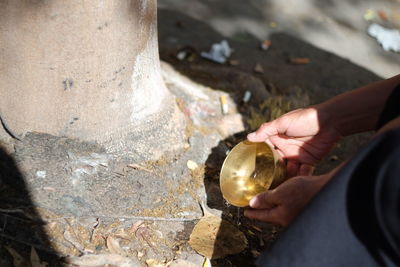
(114, 246)
(35, 260)
(216, 238)
(103, 259)
(182, 263)
(300, 60)
(135, 226)
(255, 253)
(18, 260)
(155, 263)
(73, 240)
(140, 255)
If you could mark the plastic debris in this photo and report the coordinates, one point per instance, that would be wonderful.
(224, 104)
(389, 39)
(258, 68)
(247, 96)
(300, 60)
(265, 44)
(219, 52)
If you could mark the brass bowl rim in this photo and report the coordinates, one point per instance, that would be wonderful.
(276, 157)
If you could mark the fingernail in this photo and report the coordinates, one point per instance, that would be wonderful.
(253, 202)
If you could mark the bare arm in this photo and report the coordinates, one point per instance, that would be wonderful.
(358, 110)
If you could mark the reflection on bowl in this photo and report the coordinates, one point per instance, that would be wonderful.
(249, 169)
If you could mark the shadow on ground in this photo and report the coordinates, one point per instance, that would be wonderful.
(22, 232)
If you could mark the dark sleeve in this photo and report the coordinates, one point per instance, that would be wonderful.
(374, 198)
(391, 109)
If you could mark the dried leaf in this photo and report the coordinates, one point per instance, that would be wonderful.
(114, 246)
(18, 261)
(215, 238)
(73, 240)
(155, 263)
(35, 260)
(136, 226)
(300, 60)
(103, 259)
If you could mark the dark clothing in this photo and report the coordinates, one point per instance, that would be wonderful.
(355, 219)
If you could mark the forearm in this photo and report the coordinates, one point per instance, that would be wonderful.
(358, 110)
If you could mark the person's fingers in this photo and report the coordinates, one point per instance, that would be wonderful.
(265, 215)
(306, 170)
(264, 200)
(292, 168)
(266, 129)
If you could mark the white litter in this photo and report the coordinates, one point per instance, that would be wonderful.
(41, 174)
(389, 39)
(219, 52)
(224, 104)
(247, 96)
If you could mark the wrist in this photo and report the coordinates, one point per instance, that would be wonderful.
(328, 118)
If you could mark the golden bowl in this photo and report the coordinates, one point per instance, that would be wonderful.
(249, 169)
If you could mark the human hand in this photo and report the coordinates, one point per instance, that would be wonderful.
(302, 136)
(282, 204)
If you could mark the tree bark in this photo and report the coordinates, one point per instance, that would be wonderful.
(85, 69)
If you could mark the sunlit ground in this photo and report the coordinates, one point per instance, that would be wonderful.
(337, 26)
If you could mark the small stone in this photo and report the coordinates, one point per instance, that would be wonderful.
(192, 165)
(258, 68)
(181, 55)
(234, 62)
(265, 44)
(334, 158)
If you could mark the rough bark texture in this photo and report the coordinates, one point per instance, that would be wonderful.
(85, 69)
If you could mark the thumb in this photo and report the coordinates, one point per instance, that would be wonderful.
(265, 130)
(265, 200)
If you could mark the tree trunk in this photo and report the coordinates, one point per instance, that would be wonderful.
(85, 69)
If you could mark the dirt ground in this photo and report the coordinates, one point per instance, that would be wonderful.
(336, 26)
(129, 212)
